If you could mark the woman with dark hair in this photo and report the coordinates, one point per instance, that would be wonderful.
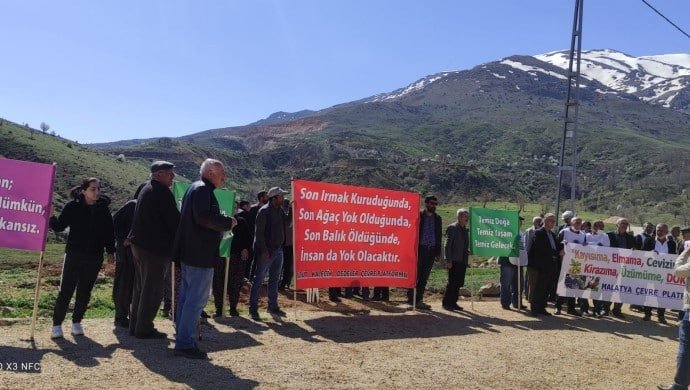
(90, 231)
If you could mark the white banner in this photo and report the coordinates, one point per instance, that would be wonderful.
(621, 275)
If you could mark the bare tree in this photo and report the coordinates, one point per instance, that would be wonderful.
(485, 197)
(45, 127)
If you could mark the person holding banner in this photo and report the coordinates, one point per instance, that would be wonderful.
(661, 244)
(543, 258)
(196, 249)
(599, 238)
(239, 253)
(619, 239)
(570, 235)
(429, 249)
(268, 251)
(682, 378)
(457, 255)
(153, 230)
(91, 230)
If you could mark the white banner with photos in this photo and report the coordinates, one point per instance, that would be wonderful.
(621, 275)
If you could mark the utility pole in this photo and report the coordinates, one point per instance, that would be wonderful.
(572, 107)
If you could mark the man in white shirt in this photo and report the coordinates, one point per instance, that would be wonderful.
(570, 235)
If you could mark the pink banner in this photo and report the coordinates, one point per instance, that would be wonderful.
(26, 192)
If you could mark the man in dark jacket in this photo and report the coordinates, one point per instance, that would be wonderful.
(197, 249)
(239, 253)
(262, 199)
(153, 229)
(269, 238)
(620, 239)
(457, 254)
(429, 249)
(543, 258)
(123, 285)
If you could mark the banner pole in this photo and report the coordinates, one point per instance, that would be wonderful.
(471, 282)
(519, 290)
(414, 299)
(172, 292)
(225, 287)
(294, 250)
(37, 295)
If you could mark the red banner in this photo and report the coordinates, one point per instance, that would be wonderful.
(349, 236)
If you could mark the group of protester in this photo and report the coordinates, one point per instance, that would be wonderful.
(544, 243)
(149, 233)
(152, 236)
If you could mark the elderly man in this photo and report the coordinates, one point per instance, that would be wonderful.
(154, 226)
(620, 239)
(196, 248)
(457, 254)
(542, 262)
(682, 378)
(269, 238)
(661, 244)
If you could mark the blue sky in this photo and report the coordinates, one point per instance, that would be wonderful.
(100, 71)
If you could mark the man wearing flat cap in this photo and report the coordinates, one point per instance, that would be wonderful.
(154, 226)
(268, 251)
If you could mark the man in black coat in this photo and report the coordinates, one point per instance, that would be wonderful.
(123, 285)
(196, 247)
(153, 230)
(620, 239)
(457, 256)
(429, 249)
(543, 258)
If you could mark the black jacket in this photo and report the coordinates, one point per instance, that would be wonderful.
(541, 255)
(201, 227)
(437, 232)
(650, 243)
(628, 244)
(90, 227)
(241, 238)
(155, 219)
(122, 220)
(457, 244)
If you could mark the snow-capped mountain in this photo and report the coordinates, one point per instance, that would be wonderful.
(660, 79)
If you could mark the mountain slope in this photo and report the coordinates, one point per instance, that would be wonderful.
(493, 130)
(75, 162)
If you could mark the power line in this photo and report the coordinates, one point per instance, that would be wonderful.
(667, 19)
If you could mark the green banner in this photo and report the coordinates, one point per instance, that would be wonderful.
(494, 232)
(226, 202)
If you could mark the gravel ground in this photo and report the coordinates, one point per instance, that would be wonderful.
(356, 344)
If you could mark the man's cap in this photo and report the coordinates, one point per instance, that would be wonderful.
(274, 191)
(161, 165)
(685, 229)
(568, 214)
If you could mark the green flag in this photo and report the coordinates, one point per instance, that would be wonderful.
(494, 232)
(226, 202)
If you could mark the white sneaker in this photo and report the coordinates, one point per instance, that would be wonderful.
(77, 330)
(56, 333)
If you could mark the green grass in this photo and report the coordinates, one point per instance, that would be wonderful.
(474, 279)
(18, 283)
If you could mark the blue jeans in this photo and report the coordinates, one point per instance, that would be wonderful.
(194, 288)
(273, 265)
(509, 285)
(682, 379)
